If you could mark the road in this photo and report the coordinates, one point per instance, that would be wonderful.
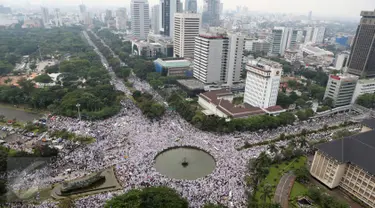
(137, 83)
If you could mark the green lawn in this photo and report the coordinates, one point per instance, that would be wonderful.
(277, 171)
(298, 190)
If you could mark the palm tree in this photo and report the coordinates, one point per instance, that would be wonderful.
(302, 142)
(266, 193)
(292, 143)
(272, 148)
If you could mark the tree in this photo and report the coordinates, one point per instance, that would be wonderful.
(151, 197)
(283, 100)
(302, 174)
(266, 193)
(272, 148)
(328, 102)
(65, 203)
(302, 142)
(210, 205)
(43, 78)
(26, 85)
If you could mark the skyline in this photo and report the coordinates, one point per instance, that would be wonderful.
(332, 8)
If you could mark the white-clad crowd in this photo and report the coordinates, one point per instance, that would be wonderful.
(130, 142)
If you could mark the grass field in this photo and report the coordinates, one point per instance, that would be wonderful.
(276, 172)
(298, 190)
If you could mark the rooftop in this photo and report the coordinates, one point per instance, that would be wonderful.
(227, 107)
(358, 149)
(173, 62)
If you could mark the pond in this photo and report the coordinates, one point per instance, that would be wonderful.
(20, 115)
(184, 163)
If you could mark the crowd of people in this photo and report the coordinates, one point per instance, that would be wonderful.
(130, 142)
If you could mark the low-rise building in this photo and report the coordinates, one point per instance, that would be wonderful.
(340, 88)
(363, 86)
(219, 103)
(174, 67)
(349, 164)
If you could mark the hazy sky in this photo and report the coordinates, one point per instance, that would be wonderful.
(349, 8)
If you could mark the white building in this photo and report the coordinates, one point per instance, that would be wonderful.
(308, 33)
(140, 22)
(340, 88)
(342, 60)
(363, 86)
(155, 19)
(235, 55)
(186, 28)
(121, 19)
(262, 83)
(282, 38)
(318, 35)
(210, 53)
(218, 58)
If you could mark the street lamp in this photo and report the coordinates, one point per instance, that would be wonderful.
(79, 112)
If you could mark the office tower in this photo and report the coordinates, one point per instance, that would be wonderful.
(309, 17)
(45, 16)
(308, 33)
(318, 35)
(167, 10)
(87, 19)
(262, 82)
(342, 60)
(58, 21)
(186, 28)
(362, 55)
(282, 38)
(140, 18)
(155, 19)
(191, 6)
(218, 57)
(121, 19)
(82, 13)
(340, 88)
(210, 58)
(235, 54)
(108, 16)
(211, 15)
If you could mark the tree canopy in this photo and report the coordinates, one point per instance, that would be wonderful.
(151, 197)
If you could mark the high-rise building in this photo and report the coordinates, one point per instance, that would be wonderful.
(186, 28)
(235, 54)
(121, 19)
(167, 11)
(262, 82)
(342, 60)
(218, 58)
(58, 21)
(140, 22)
(282, 38)
(45, 16)
(191, 6)
(82, 12)
(211, 15)
(155, 19)
(308, 33)
(340, 89)
(362, 55)
(318, 35)
(309, 16)
(210, 58)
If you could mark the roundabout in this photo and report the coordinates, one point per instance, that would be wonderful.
(184, 162)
